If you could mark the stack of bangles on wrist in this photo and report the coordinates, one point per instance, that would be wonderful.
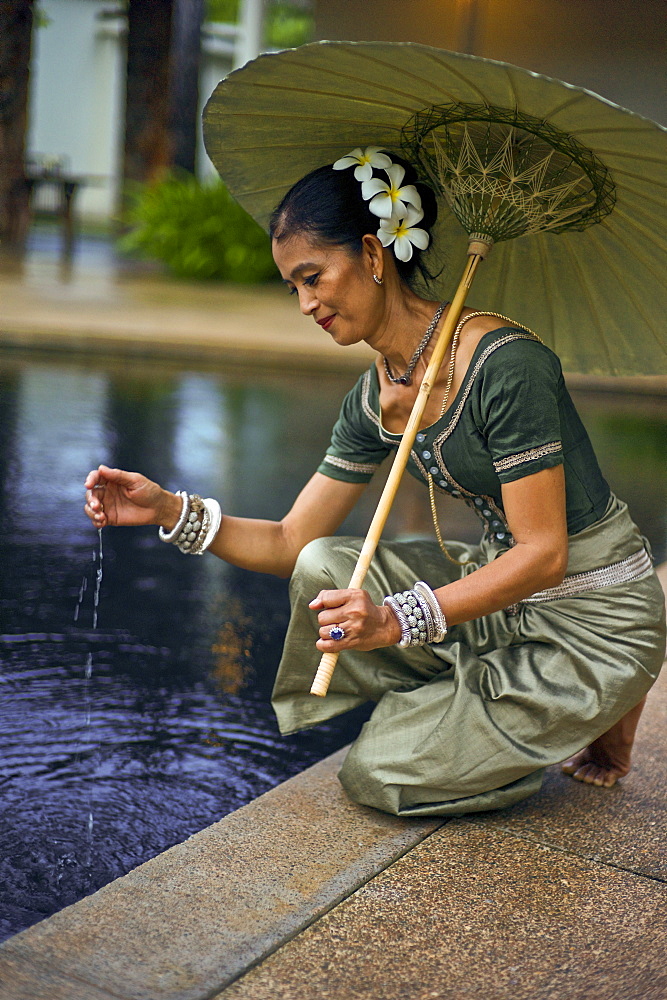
(197, 525)
(421, 618)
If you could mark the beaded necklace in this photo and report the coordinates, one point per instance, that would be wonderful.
(406, 378)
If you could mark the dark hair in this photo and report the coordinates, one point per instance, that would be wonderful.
(328, 205)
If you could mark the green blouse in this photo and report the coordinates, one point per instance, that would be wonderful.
(511, 417)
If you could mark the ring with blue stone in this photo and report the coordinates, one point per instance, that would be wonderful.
(336, 633)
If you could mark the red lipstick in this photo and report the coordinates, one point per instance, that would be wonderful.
(326, 322)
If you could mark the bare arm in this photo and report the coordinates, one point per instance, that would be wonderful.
(115, 497)
(535, 510)
(273, 546)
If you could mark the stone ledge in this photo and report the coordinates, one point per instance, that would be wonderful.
(187, 923)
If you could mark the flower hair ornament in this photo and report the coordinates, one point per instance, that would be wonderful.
(397, 205)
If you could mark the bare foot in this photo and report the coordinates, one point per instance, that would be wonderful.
(608, 758)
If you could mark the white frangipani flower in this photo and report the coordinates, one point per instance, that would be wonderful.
(390, 199)
(363, 162)
(403, 234)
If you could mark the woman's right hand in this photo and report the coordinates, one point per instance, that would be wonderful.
(114, 497)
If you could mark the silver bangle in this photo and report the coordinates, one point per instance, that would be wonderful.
(215, 517)
(193, 524)
(196, 548)
(406, 634)
(411, 608)
(440, 622)
(171, 536)
(407, 603)
(431, 630)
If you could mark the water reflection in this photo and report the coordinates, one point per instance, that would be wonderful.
(184, 656)
(232, 668)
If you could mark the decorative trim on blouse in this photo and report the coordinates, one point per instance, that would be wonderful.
(527, 456)
(342, 463)
(484, 506)
(492, 516)
(375, 419)
(370, 412)
(473, 375)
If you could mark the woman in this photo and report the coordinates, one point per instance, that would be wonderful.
(520, 651)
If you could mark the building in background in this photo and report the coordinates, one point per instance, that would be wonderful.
(76, 115)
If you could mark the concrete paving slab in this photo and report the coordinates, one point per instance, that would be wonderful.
(475, 912)
(21, 981)
(560, 898)
(623, 825)
(160, 317)
(191, 920)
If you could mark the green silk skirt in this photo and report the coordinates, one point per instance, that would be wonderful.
(471, 723)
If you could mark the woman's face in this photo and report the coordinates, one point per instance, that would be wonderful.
(334, 285)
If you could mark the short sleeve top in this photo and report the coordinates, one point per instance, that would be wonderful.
(511, 417)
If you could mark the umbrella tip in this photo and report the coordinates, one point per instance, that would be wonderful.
(479, 244)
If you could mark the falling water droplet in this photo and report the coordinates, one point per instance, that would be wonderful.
(88, 672)
(98, 580)
(82, 591)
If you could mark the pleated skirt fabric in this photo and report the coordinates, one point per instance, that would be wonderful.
(470, 724)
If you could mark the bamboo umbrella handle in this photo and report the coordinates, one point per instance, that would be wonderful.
(327, 665)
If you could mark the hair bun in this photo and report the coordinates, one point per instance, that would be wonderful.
(328, 205)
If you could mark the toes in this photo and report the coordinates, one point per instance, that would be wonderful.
(587, 773)
(593, 774)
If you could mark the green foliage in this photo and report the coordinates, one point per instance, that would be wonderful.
(225, 11)
(286, 24)
(198, 231)
(39, 18)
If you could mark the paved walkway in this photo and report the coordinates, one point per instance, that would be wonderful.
(95, 309)
(562, 897)
(96, 306)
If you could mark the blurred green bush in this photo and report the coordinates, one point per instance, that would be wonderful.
(286, 24)
(197, 230)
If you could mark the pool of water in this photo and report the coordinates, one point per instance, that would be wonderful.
(120, 740)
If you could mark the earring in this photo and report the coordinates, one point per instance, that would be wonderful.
(378, 281)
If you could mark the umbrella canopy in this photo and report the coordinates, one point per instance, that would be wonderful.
(597, 296)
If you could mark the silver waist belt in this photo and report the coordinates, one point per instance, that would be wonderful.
(630, 568)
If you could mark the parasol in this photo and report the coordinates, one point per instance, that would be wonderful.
(569, 190)
(597, 297)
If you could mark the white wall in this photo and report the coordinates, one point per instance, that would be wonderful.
(77, 97)
(78, 90)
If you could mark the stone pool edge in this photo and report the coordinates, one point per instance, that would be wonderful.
(189, 922)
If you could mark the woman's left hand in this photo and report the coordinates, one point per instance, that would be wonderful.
(366, 626)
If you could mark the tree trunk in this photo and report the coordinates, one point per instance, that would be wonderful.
(187, 18)
(147, 151)
(15, 44)
(163, 55)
